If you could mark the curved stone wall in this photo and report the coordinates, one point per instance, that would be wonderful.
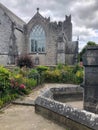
(72, 117)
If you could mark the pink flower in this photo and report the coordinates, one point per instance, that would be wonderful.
(22, 86)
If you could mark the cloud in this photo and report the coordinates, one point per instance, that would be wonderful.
(84, 14)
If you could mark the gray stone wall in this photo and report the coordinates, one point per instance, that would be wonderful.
(20, 41)
(90, 62)
(3, 59)
(51, 48)
(15, 34)
(53, 30)
(61, 49)
(67, 27)
(41, 59)
(84, 120)
(69, 59)
(61, 120)
(5, 33)
(50, 51)
(11, 36)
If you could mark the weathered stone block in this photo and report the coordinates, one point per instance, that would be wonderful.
(74, 118)
(90, 62)
(90, 58)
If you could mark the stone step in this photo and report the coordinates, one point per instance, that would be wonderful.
(24, 102)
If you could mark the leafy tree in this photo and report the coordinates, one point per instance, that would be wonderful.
(89, 43)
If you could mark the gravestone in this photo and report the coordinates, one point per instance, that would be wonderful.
(90, 62)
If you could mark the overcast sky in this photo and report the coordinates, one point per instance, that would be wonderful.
(84, 14)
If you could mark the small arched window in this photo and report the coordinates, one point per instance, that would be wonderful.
(37, 39)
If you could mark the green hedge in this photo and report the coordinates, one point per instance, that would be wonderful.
(4, 79)
(65, 74)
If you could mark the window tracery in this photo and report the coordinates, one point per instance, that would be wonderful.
(37, 39)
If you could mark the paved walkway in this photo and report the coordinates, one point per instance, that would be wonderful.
(19, 117)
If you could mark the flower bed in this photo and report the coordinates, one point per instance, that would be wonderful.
(20, 81)
(16, 82)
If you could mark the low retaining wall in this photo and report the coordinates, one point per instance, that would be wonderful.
(74, 118)
(67, 94)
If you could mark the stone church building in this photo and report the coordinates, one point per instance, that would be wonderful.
(48, 43)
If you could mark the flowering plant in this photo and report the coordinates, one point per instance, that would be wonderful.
(22, 86)
(13, 83)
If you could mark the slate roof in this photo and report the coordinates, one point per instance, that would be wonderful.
(12, 16)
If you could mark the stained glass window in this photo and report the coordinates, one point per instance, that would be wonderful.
(37, 39)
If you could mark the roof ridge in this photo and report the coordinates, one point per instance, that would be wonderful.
(37, 14)
(12, 16)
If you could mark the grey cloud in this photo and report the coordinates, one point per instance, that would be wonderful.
(87, 15)
(83, 13)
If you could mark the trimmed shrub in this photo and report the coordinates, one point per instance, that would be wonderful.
(4, 79)
(52, 76)
(1, 103)
(18, 78)
(79, 76)
(25, 60)
(7, 98)
(33, 74)
(77, 68)
(41, 69)
(31, 83)
(64, 74)
(60, 66)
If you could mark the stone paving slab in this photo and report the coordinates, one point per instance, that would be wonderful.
(23, 117)
(20, 117)
(24, 102)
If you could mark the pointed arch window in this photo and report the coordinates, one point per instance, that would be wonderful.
(37, 39)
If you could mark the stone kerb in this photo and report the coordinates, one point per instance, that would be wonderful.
(80, 116)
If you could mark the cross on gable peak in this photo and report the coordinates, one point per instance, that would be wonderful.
(37, 10)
